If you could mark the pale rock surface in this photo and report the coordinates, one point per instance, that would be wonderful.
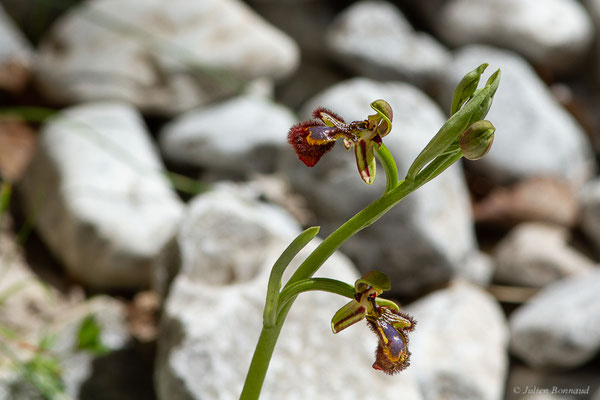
(162, 59)
(543, 199)
(537, 254)
(459, 345)
(554, 34)
(374, 39)
(560, 326)
(99, 197)
(221, 229)
(244, 134)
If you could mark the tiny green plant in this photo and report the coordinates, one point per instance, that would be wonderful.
(464, 134)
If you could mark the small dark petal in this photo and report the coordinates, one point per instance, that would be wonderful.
(318, 114)
(378, 141)
(308, 154)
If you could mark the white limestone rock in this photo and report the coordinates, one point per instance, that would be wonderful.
(374, 39)
(243, 134)
(560, 326)
(555, 34)
(98, 194)
(162, 59)
(537, 254)
(459, 345)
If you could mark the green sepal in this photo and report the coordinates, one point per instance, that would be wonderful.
(348, 315)
(466, 87)
(375, 279)
(365, 160)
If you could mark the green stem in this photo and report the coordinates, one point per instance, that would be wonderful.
(323, 284)
(389, 165)
(261, 359)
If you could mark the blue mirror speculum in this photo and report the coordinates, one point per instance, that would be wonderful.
(383, 317)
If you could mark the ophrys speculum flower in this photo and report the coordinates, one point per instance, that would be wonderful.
(312, 139)
(383, 317)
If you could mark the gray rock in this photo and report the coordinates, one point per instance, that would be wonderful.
(589, 218)
(163, 61)
(560, 326)
(425, 240)
(33, 311)
(528, 383)
(478, 268)
(534, 134)
(459, 345)
(555, 34)
(536, 254)
(240, 135)
(78, 366)
(212, 319)
(220, 230)
(97, 192)
(16, 55)
(542, 199)
(374, 39)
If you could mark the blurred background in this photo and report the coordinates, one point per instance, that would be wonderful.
(147, 187)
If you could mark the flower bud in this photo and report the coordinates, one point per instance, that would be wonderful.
(477, 140)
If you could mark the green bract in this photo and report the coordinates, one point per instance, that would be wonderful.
(474, 108)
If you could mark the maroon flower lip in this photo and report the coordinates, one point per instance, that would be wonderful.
(308, 153)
